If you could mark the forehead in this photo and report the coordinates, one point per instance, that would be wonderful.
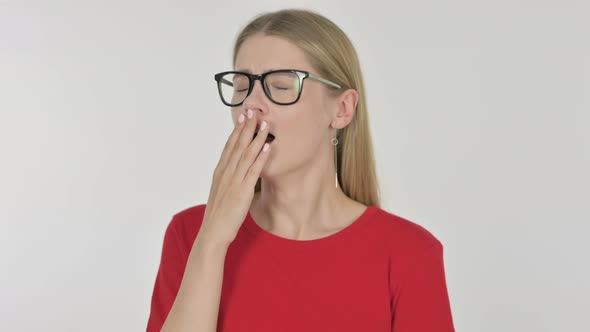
(260, 53)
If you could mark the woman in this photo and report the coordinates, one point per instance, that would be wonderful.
(309, 249)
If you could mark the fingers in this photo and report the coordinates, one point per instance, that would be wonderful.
(243, 140)
(221, 176)
(242, 156)
(252, 151)
(253, 172)
(229, 145)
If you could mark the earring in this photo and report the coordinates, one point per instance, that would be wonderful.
(335, 143)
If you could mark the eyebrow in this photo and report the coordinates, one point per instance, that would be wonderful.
(249, 72)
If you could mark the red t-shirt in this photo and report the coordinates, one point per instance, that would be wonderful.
(382, 273)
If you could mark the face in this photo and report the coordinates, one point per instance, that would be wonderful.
(301, 130)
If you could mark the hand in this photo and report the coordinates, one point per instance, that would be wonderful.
(234, 180)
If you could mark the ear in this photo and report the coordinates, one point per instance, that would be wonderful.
(345, 108)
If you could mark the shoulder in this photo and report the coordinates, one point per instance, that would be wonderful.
(185, 224)
(191, 216)
(410, 247)
(404, 236)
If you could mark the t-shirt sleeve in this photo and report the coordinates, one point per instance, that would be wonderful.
(420, 299)
(168, 278)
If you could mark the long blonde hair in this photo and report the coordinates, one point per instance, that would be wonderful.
(333, 56)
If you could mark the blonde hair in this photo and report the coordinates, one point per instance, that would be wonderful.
(333, 56)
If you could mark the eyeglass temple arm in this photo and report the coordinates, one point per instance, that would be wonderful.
(223, 80)
(324, 81)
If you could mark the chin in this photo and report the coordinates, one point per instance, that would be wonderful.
(268, 169)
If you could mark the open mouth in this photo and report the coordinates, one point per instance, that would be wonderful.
(269, 138)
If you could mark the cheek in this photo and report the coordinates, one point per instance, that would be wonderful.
(235, 113)
(305, 128)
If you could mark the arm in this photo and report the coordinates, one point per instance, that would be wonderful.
(186, 297)
(420, 301)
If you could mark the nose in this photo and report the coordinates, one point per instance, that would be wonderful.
(256, 96)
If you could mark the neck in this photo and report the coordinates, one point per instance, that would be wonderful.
(301, 204)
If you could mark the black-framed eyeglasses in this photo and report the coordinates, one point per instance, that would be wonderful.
(282, 86)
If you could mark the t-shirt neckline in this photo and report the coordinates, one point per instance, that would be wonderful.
(349, 230)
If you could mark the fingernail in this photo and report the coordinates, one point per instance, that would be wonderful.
(250, 113)
(265, 147)
(263, 125)
(241, 118)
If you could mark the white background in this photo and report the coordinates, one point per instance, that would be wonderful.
(110, 123)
